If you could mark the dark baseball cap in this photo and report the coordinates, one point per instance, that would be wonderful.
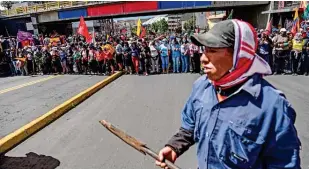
(221, 35)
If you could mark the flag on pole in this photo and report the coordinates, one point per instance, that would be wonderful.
(295, 27)
(143, 32)
(139, 25)
(83, 29)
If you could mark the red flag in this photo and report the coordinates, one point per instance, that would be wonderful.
(83, 29)
(143, 32)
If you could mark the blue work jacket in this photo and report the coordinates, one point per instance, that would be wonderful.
(252, 128)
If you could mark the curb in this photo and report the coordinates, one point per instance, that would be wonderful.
(13, 139)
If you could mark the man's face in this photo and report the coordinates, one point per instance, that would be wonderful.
(216, 62)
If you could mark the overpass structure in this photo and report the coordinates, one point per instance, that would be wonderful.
(64, 12)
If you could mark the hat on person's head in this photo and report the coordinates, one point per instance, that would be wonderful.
(282, 30)
(222, 35)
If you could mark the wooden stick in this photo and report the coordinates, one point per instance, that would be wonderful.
(136, 144)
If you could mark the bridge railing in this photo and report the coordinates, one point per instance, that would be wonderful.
(48, 6)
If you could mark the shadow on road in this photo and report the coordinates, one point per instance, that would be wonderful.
(32, 161)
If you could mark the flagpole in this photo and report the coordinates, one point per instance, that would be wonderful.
(270, 8)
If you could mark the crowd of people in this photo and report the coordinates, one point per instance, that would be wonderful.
(285, 52)
(149, 55)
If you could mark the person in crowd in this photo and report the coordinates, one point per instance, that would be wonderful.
(194, 58)
(30, 62)
(296, 53)
(164, 53)
(47, 61)
(264, 46)
(100, 59)
(306, 58)
(127, 58)
(154, 57)
(77, 58)
(63, 60)
(184, 48)
(176, 55)
(281, 51)
(135, 52)
(236, 118)
(144, 58)
(92, 62)
(85, 59)
(70, 61)
(38, 59)
(109, 60)
(55, 60)
(119, 54)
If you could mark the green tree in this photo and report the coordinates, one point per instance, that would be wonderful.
(163, 26)
(7, 4)
(190, 24)
(159, 26)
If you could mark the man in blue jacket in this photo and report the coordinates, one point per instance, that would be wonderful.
(237, 119)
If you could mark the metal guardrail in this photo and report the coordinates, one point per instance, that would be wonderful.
(49, 6)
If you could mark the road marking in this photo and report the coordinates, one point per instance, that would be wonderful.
(26, 84)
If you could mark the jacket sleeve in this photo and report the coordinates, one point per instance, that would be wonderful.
(181, 141)
(284, 146)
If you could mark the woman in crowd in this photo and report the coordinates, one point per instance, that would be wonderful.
(164, 55)
(154, 57)
(135, 52)
(63, 60)
(176, 55)
(184, 56)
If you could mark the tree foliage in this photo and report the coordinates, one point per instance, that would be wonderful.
(160, 26)
(7, 4)
(190, 24)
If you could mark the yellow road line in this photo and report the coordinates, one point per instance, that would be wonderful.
(16, 137)
(26, 84)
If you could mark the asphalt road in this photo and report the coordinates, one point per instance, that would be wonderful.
(21, 105)
(145, 107)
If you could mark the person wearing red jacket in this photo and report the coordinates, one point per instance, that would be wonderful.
(109, 59)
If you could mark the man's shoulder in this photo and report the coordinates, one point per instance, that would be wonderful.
(201, 83)
(276, 100)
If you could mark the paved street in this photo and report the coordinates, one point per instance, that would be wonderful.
(145, 107)
(21, 105)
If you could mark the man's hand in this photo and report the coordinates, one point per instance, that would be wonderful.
(166, 153)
